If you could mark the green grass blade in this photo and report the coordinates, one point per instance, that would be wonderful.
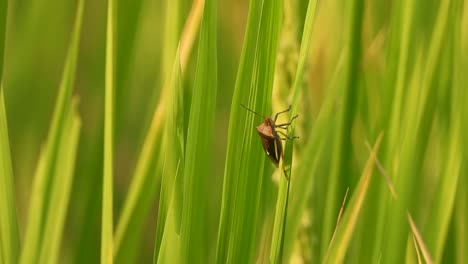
(461, 214)
(61, 188)
(144, 183)
(279, 227)
(244, 167)
(304, 52)
(419, 116)
(199, 142)
(43, 177)
(167, 245)
(107, 184)
(9, 236)
(394, 127)
(444, 199)
(174, 144)
(277, 240)
(461, 201)
(342, 237)
(342, 148)
(3, 23)
(304, 179)
(33, 234)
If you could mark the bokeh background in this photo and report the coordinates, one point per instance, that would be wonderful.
(38, 35)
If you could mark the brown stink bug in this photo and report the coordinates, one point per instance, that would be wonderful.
(269, 130)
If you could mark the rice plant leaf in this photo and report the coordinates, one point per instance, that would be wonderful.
(144, 183)
(107, 191)
(279, 227)
(276, 251)
(3, 23)
(461, 214)
(418, 119)
(44, 174)
(9, 236)
(61, 187)
(199, 148)
(342, 147)
(174, 144)
(419, 240)
(244, 167)
(304, 180)
(172, 186)
(340, 241)
(461, 200)
(444, 201)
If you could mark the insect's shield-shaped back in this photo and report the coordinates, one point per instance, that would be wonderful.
(271, 142)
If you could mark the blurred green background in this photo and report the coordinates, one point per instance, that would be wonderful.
(37, 38)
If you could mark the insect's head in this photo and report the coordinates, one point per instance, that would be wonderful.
(269, 122)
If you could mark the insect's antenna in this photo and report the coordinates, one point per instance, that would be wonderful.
(252, 111)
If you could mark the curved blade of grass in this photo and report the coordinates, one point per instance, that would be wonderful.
(144, 182)
(279, 227)
(174, 144)
(9, 236)
(340, 242)
(61, 187)
(461, 214)
(44, 175)
(170, 242)
(442, 208)
(199, 148)
(244, 167)
(419, 116)
(303, 181)
(461, 201)
(107, 183)
(419, 240)
(342, 147)
(3, 23)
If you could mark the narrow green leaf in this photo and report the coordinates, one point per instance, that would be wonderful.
(279, 227)
(174, 144)
(444, 200)
(169, 216)
(394, 127)
(199, 148)
(420, 111)
(9, 236)
(61, 187)
(342, 236)
(304, 52)
(277, 240)
(461, 214)
(3, 23)
(342, 148)
(244, 169)
(44, 174)
(304, 180)
(107, 188)
(144, 183)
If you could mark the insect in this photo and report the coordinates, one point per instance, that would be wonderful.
(269, 133)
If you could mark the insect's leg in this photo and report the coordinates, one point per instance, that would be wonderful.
(286, 136)
(285, 125)
(277, 114)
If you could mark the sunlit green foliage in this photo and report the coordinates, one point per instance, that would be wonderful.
(123, 139)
